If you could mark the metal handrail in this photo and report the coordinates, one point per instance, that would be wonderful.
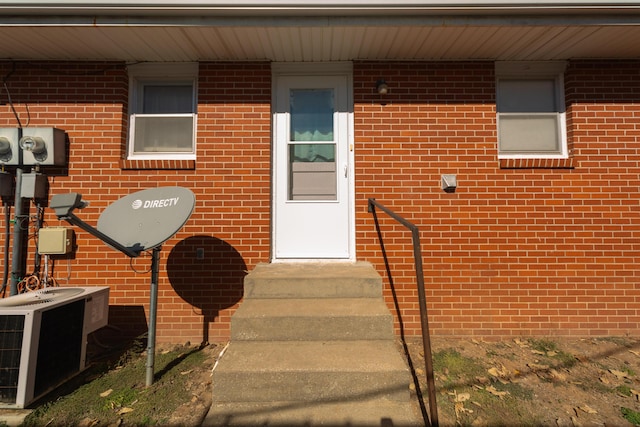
(424, 321)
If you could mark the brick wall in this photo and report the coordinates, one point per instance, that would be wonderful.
(230, 179)
(518, 249)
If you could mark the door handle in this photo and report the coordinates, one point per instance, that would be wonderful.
(345, 171)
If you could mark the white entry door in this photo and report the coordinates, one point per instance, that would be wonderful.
(313, 213)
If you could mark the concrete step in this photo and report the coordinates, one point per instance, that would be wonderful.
(363, 413)
(313, 280)
(311, 371)
(312, 319)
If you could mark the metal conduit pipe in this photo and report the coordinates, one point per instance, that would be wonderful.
(7, 242)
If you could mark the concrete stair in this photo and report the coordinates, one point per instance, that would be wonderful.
(311, 345)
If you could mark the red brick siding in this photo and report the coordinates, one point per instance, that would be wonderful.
(514, 251)
(547, 250)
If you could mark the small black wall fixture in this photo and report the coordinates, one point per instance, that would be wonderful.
(381, 87)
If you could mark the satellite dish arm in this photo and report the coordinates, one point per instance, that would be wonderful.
(64, 204)
(74, 220)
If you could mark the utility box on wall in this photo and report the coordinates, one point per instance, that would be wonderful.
(34, 186)
(55, 240)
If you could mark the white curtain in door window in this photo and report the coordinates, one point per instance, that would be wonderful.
(311, 114)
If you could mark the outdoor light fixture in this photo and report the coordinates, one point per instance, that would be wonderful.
(382, 87)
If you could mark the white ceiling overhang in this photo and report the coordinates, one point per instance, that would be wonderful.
(330, 30)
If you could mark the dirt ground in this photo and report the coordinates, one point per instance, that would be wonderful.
(199, 386)
(527, 381)
(535, 381)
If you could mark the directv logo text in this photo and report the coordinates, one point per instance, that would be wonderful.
(152, 204)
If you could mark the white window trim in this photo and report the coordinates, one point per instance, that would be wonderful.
(524, 69)
(161, 72)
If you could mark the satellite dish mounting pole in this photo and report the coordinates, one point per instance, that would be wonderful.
(153, 307)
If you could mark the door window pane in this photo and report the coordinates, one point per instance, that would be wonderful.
(311, 112)
(312, 152)
(312, 167)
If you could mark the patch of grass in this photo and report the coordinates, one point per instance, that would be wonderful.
(543, 345)
(630, 372)
(118, 395)
(517, 391)
(623, 390)
(552, 352)
(455, 367)
(630, 415)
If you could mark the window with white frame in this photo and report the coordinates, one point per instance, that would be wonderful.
(530, 110)
(162, 111)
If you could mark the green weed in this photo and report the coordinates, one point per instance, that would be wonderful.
(630, 415)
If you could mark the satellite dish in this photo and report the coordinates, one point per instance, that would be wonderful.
(137, 222)
(147, 218)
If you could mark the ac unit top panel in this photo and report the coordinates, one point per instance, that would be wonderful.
(47, 298)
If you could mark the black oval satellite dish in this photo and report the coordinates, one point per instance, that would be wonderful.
(147, 218)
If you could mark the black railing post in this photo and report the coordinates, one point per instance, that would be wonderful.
(422, 300)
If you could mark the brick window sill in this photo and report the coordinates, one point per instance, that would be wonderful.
(569, 163)
(158, 164)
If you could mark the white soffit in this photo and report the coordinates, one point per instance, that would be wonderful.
(329, 30)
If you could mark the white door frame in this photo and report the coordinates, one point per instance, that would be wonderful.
(345, 69)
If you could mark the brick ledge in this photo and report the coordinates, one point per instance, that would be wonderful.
(157, 164)
(569, 163)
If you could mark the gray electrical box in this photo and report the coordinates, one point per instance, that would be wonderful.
(34, 186)
(6, 184)
(55, 240)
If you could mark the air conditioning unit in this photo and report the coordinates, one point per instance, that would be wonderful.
(43, 339)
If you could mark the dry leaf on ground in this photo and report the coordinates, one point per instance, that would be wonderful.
(462, 397)
(619, 374)
(587, 409)
(491, 389)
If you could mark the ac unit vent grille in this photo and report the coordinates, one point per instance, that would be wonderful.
(60, 347)
(11, 333)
